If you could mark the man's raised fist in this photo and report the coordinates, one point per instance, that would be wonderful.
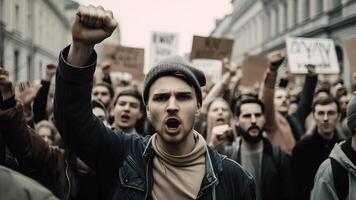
(92, 25)
(275, 59)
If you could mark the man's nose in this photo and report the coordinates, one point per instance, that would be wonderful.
(253, 119)
(127, 107)
(326, 117)
(172, 105)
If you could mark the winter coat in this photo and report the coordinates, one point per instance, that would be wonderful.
(16, 186)
(324, 187)
(53, 167)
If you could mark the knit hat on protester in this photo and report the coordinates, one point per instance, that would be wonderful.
(175, 66)
(351, 113)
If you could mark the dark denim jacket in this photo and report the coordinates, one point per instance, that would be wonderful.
(125, 160)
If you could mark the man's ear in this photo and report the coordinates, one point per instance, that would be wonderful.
(197, 112)
(148, 113)
(236, 120)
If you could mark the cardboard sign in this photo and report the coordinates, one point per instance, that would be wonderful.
(162, 45)
(350, 47)
(211, 68)
(253, 69)
(211, 48)
(125, 59)
(320, 52)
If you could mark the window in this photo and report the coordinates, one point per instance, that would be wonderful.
(29, 68)
(16, 64)
(306, 9)
(295, 12)
(17, 17)
(320, 6)
(285, 16)
(40, 70)
(337, 3)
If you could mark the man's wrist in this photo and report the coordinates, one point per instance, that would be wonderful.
(47, 78)
(79, 54)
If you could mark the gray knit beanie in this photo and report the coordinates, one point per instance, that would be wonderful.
(175, 66)
(351, 114)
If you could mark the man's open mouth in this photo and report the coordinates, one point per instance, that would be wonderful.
(172, 123)
(125, 117)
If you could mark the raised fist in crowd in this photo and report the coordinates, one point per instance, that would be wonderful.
(275, 59)
(92, 25)
(50, 71)
(27, 92)
(220, 134)
(5, 85)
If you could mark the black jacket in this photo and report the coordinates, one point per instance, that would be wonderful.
(56, 169)
(40, 102)
(276, 174)
(297, 119)
(126, 160)
(307, 156)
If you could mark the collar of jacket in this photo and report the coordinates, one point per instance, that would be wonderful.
(213, 165)
(317, 138)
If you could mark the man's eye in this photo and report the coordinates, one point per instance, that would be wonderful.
(122, 103)
(320, 113)
(184, 97)
(160, 98)
(258, 114)
(246, 116)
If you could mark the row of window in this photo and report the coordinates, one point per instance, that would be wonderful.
(30, 69)
(276, 19)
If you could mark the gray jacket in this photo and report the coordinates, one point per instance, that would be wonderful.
(324, 183)
(16, 186)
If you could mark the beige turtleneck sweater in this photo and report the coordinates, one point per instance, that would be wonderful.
(178, 177)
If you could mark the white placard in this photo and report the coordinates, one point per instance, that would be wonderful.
(317, 51)
(162, 45)
(210, 67)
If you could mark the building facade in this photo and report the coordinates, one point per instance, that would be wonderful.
(34, 32)
(261, 26)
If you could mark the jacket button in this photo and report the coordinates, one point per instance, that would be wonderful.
(126, 180)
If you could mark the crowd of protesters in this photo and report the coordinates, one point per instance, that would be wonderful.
(83, 136)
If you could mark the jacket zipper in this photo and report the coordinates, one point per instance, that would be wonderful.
(148, 164)
(67, 176)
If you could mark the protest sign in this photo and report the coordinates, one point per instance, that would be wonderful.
(162, 45)
(211, 48)
(350, 48)
(253, 68)
(320, 52)
(125, 59)
(211, 68)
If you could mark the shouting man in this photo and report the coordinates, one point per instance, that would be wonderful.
(174, 163)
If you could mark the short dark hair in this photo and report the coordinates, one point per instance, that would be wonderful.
(244, 99)
(320, 90)
(325, 100)
(100, 105)
(108, 86)
(130, 92)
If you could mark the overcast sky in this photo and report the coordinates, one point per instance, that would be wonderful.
(138, 18)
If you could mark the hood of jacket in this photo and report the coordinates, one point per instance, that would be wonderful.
(339, 155)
